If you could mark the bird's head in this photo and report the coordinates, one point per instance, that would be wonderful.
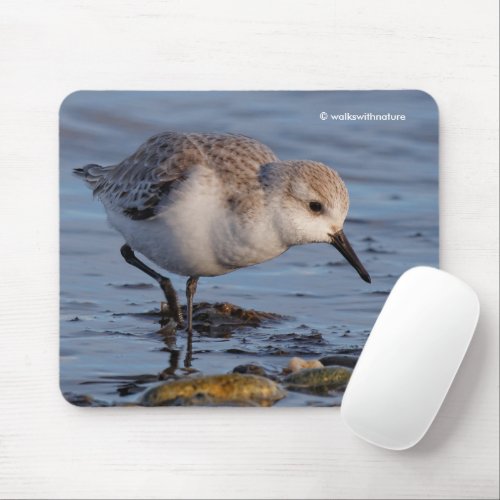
(310, 203)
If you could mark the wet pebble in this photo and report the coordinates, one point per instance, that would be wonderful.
(355, 351)
(83, 400)
(250, 369)
(128, 389)
(297, 364)
(318, 380)
(232, 389)
(340, 360)
(236, 350)
(222, 319)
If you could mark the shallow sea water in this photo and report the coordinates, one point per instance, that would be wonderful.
(108, 335)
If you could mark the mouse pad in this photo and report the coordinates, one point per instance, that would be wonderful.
(235, 248)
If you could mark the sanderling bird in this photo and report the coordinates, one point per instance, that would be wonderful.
(208, 204)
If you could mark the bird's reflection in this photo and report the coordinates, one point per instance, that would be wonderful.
(168, 333)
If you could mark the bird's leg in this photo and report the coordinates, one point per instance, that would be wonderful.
(165, 284)
(190, 291)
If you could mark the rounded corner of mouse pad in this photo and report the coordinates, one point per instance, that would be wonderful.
(190, 273)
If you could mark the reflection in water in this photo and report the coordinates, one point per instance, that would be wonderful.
(173, 364)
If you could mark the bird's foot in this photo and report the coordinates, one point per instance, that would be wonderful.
(168, 315)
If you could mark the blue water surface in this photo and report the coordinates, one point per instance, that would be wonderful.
(390, 169)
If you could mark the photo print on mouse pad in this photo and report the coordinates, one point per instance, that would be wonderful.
(234, 248)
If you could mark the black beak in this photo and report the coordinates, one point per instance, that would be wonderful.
(341, 243)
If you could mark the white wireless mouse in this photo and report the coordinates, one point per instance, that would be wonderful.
(410, 358)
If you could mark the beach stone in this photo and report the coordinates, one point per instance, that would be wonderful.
(233, 389)
(340, 360)
(296, 364)
(250, 369)
(83, 400)
(318, 380)
(220, 320)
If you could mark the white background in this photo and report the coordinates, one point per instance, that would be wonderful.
(49, 449)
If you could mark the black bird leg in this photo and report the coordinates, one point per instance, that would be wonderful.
(190, 291)
(165, 284)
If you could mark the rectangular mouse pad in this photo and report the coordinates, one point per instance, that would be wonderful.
(235, 248)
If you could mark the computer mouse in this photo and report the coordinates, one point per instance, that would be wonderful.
(410, 358)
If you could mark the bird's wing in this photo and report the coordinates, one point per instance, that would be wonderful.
(136, 186)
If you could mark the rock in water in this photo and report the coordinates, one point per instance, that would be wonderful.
(340, 360)
(318, 380)
(250, 369)
(232, 389)
(221, 320)
(297, 364)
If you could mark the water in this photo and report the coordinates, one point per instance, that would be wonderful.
(391, 171)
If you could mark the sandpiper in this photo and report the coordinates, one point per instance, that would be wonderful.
(208, 204)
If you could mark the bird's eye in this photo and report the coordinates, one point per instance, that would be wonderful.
(316, 206)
